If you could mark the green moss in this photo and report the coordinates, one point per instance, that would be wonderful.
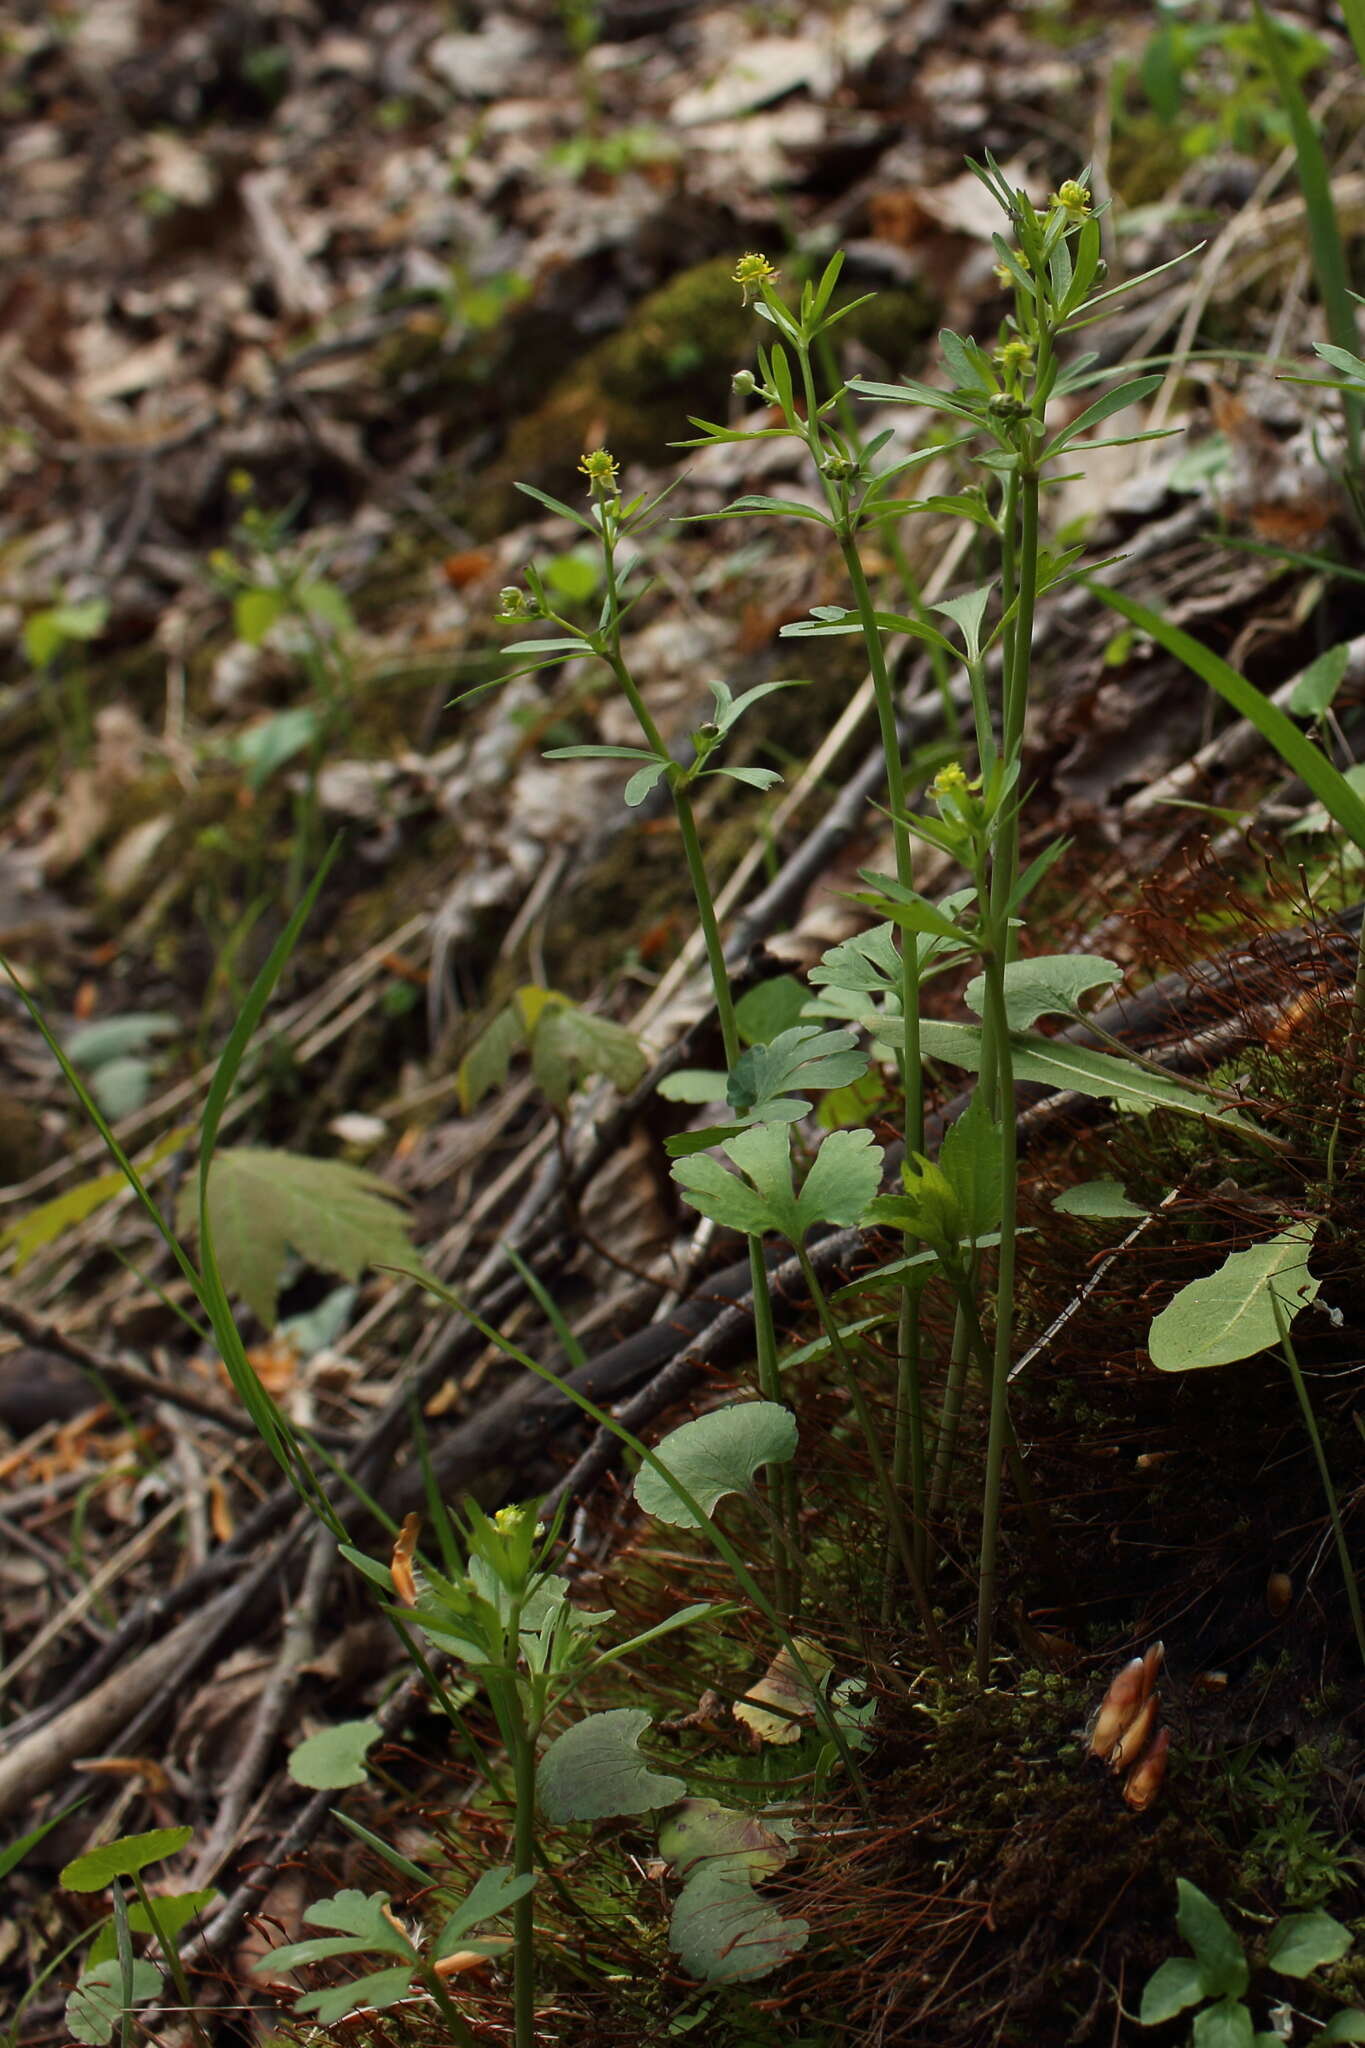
(672, 358)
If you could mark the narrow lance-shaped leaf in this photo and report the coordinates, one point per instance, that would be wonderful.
(1307, 761)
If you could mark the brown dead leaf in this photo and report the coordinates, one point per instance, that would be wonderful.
(782, 1686)
(152, 1774)
(400, 1564)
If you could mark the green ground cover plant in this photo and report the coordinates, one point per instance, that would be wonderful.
(486, 1597)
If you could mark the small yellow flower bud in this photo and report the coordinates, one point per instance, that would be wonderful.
(1073, 198)
(1014, 358)
(600, 468)
(751, 272)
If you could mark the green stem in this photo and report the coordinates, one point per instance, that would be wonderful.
(765, 1333)
(908, 1450)
(171, 1952)
(895, 1520)
(1329, 1491)
(950, 1417)
(1350, 1059)
(523, 1863)
(1004, 1322)
(826, 1719)
(460, 2030)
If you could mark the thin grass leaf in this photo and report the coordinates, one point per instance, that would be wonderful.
(1298, 753)
(1315, 180)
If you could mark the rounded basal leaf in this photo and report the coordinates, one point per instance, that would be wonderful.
(130, 1853)
(334, 1756)
(1222, 1965)
(724, 1933)
(594, 1770)
(1176, 1986)
(96, 2005)
(722, 1930)
(1098, 1199)
(717, 1454)
(1228, 1315)
(1346, 2025)
(1304, 1942)
(1051, 984)
(1225, 2025)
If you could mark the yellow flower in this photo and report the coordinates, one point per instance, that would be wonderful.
(751, 273)
(1073, 198)
(600, 468)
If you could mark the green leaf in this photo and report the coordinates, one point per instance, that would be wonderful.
(801, 1058)
(1060, 1065)
(568, 1045)
(594, 1770)
(494, 1893)
(722, 1196)
(693, 1084)
(334, 1756)
(601, 752)
(122, 1086)
(1101, 1199)
(1050, 984)
(172, 1910)
(123, 1858)
(484, 1067)
(46, 633)
(1318, 684)
(96, 2005)
(1228, 1315)
(970, 1158)
(715, 1455)
(575, 577)
(1299, 754)
(1225, 2025)
(264, 1204)
(254, 612)
(1104, 408)
(642, 781)
(968, 614)
(721, 1929)
(114, 1037)
(360, 1922)
(380, 1988)
(325, 605)
(1305, 1942)
(868, 961)
(764, 1012)
(263, 748)
(1346, 2025)
(13, 1853)
(845, 1176)
(1176, 1986)
(1221, 1962)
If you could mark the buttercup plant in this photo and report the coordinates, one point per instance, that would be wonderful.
(996, 410)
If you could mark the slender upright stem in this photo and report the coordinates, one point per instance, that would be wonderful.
(765, 1333)
(1004, 1321)
(867, 1422)
(523, 1863)
(1310, 1424)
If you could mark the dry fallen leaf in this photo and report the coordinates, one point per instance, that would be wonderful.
(400, 1564)
(783, 1686)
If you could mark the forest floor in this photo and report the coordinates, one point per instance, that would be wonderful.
(291, 299)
